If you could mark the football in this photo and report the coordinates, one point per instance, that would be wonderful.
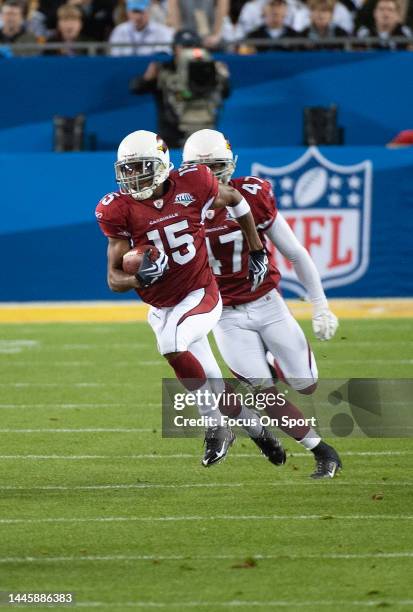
(133, 258)
(311, 186)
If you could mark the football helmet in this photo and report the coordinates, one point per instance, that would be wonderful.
(211, 148)
(143, 164)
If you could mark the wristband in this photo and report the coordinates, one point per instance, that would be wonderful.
(240, 209)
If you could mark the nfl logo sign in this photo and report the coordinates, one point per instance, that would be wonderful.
(328, 206)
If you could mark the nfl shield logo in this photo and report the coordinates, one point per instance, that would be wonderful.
(328, 206)
(158, 204)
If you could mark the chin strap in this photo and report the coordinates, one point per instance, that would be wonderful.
(145, 194)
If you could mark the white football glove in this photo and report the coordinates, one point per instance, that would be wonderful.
(325, 324)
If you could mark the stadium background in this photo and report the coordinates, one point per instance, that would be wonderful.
(262, 118)
(93, 500)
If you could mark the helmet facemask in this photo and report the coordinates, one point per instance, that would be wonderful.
(139, 177)
(222, 168)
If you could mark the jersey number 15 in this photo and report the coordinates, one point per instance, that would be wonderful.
(175, 242)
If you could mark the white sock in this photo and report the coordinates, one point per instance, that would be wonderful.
(310, 440)
(213, 414)
(252, 422)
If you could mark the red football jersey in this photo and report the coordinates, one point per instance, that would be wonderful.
(174, 224)
(228, 248)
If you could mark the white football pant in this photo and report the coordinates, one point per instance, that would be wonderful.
(245, 333)
(185, 327)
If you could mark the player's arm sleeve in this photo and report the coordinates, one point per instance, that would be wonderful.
(284, 239)
(111, 220)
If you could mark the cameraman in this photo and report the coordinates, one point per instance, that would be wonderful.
(188, 90)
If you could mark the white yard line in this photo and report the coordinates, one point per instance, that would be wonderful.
(78, 405)
(258, 557)
(248, 604)
(369, 359)
(16, 346)
(81, 347)
(190, 456)
(121, 486)
(24, 385)
(371, 343)
(363, 453)
(80, 385)
(83, 362)
(154, 362)
(19, 342)
(216, 517)
(88, 457)
(50, 364)
(217, 485)
(80, 430)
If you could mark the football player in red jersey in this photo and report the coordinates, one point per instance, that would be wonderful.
(167, 208)
(256, 328)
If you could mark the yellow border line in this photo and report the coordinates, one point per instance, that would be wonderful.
(122, 312)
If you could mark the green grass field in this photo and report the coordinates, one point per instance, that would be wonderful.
(94, 501)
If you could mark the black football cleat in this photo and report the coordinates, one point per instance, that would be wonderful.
(271, 447)
(328, 462)
(218, 439)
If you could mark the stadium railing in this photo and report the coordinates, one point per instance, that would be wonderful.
(351, 43)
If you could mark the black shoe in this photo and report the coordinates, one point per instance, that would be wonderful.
(328, 463)
(217, 442)
(271, 447)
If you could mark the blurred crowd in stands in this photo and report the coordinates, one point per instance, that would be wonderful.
(142, 27)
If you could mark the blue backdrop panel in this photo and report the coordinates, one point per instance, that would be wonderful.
(269, 90)
(54, 250)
